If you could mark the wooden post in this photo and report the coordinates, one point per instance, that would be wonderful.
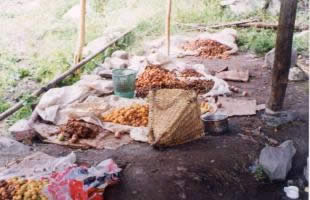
(283, 51)
(168, 16)
(81, 39)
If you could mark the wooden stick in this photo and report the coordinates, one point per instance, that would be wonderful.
(201, 26)
(55, 81)
(270, 26)
(283, 53)
(81, 39)
(241, 24)
(233, 23)
(168, 16)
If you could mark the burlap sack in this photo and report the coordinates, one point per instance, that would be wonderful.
(174, 117)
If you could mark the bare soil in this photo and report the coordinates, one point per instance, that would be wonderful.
(214, 167)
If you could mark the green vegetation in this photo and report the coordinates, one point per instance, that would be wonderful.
(22, 73)
(257, 41)
(25, 111)
(259, 174)
(3, 105)
(302, 44)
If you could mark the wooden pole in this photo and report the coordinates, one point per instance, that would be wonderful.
(168, 17)
(283, 53)
(54, 82)
(81, 39)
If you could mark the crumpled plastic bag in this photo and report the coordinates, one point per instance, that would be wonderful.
(82, 183)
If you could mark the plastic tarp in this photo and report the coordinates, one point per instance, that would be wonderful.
(90, 110)
(226, 36)
(37, 165)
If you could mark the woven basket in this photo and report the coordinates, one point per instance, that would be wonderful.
(174, 117)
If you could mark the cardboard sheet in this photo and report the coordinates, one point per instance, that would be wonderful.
(237, 107)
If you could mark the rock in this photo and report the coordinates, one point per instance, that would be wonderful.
(276, 119)
(302, 35)
(260, 107)
(22, 131)
(112, 63)
(117, 63)
(227, 2)
(274, 7)
(138, 63)
(120, 54)
(277, 161)
(105, 73)
(95, 45)
(269, 58)
(234, 75)
(240, 7)
(97, 70)
(306, 171)
(296, 74)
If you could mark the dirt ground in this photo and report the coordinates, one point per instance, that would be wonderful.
(214, 167)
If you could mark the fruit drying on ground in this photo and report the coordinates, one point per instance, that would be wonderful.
(78, 129)
(207, 48)
(190, 73)
(155, 77)
(22, 189)
(135, 115)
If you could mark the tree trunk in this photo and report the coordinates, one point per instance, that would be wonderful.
(283, 53)
(81, 39)
(168, 16)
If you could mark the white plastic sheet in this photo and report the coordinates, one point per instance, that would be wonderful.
(227, 37)
(37, 165)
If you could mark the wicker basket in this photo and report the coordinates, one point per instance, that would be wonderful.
(174, 117)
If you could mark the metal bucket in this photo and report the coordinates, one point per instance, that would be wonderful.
(215, 124)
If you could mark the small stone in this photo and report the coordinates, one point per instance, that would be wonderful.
(296, 74)
(134, 192)
(290, 182)
(22, 131)
(118, 63)
(120, 54)
(212, 161)
(181, 169)
(219, 105)
(300, 183)
(300, 57)
(269, 58)
(245, 93)
(117, 135)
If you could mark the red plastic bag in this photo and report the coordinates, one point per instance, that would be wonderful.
(82, 183)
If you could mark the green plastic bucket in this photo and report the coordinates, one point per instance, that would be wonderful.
(124, 82)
